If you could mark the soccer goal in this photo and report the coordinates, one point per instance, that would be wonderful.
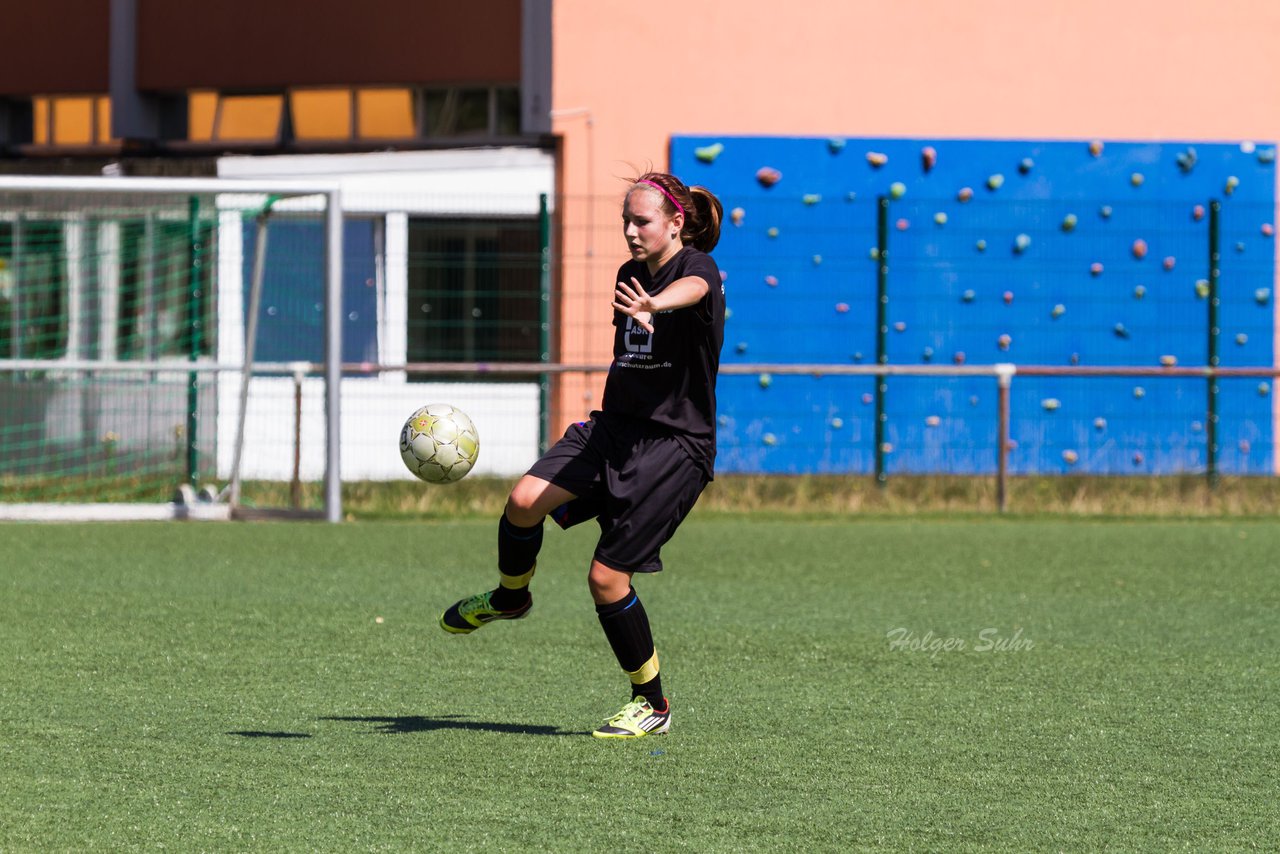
(133, 380)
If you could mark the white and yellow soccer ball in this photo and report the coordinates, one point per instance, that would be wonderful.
(439, 443)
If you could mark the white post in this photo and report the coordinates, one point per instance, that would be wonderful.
(333, 357)
(108, 290)
(393, 332)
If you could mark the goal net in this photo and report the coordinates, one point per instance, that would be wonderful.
(134, 379)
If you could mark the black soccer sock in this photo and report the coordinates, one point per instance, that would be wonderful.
(517, 556)
(626, 625)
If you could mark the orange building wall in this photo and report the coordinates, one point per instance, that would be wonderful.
(628, 77)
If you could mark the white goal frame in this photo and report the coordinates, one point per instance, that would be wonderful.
(332, 365)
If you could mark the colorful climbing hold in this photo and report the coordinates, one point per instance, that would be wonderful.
(1120, 330)
(1050, 404)
(1139, 249)
(1095, 148)
(771, 281)
(969, 295)
(1197, 213)
(837, 423)
(812, 198)
(842, 307)
(1004, 341)
(1168, 361)
(1021, 243)
(900, 326)
(958, 357)
(965, 194)
(940, 218)
(928, 157)
(932, 421)
(1095, 269)
(981, 245)
(1169, 263)
(1105, 211)
(1268, 230)
(1057, 311)
(897, 190)
(1241, 339)
(768, 176)
(1138, 459)
(1202, 288)
(902, 224)
(1186, 160)
(926, 355)
(769, 439)
(742, 347)
(1230, 186)
(737, 215)
(835, 145)
(1137, 179)
(1099, 423)
(1264, 389)
(1007, 296)
(708, 153)
(1262, 296)
(817, 260)
(765, 380)
(867, 398)
(773, 231)
(1139, 392)
(995, 182)
(1025, 165)
(877, 159)
(1069, 222)
(1070, 457)
(1266, 155)
(1139, 292)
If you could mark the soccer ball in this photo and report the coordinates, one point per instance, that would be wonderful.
(439, 443)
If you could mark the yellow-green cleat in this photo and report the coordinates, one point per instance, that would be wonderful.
(636, 720)
(467, 615)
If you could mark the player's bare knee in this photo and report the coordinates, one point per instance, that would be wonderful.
(522, 505)
(606, 584)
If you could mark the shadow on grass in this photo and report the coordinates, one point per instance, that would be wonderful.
(416, 723)
(254, 733)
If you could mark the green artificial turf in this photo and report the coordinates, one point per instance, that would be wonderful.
(229, 687)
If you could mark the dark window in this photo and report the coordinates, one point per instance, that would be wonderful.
(291, 316)
(474, 290)
(155, 289)
(33, 290)
(479, 111)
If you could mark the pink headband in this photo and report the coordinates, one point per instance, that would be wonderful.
(670, 197)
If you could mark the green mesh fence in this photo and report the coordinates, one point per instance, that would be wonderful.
(91, 287)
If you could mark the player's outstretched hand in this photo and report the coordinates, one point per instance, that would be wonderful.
(633, 301)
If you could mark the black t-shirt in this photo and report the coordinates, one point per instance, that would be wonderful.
(669, 377)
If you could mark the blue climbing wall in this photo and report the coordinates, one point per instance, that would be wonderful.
(1032, 252)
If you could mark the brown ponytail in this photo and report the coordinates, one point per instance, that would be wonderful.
(702, 210)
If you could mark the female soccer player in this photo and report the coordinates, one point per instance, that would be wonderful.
(641, 461)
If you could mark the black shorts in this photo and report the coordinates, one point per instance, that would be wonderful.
(636, 481)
